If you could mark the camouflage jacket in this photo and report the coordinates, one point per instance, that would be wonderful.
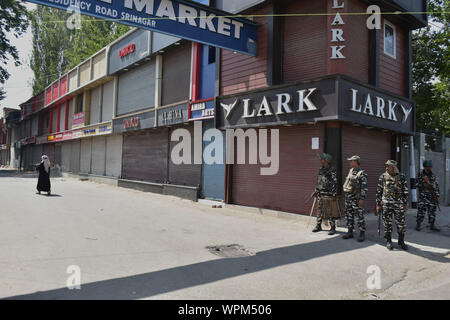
(425, 189)
(355, 186)
(392, 190)
(327, 182)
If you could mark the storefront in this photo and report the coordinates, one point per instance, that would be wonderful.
(333, 114)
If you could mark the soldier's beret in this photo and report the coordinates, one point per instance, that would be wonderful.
(355, 158)
(325, 156)
(427, 163)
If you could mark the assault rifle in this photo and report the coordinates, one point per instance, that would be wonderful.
(378, 214)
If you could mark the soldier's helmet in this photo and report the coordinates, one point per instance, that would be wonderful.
(325, 156)
(355, 158)
(427, 163)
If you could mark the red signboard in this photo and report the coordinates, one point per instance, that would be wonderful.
(131, 123)
(127, 50)
(63, 86)
(48, 95)
(55, 90)
(78, 119)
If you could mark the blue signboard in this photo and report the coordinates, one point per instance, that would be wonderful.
(202, 109)
(181, 18)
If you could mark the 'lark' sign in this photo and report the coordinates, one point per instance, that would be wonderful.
(180, 18)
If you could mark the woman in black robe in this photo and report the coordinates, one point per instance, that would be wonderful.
(44, 175)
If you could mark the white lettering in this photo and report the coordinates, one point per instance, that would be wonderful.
(246, 108)
(380, 108)
(283, 103)
(166, 10)
(336, 35)
(305, 100)
(140, 5)
(265, 107)
(206, 21)
(189, 13)
(224, 26)
(336, 52)
(336, 4)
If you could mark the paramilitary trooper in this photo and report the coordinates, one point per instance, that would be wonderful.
(392, 199)
(428, 196)
(355, 188)
(326, 190)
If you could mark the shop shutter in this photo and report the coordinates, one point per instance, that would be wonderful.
(114, 155)
(75, 156)
(55, 120)
(37, 154)
(62, 118)
(66, 155)
(295, 180)
(58, 155)
(184, 174)
(145, 156)
(95, 106)
(70, 116)
(85, 155)
(137, 89)
(374, 148)
(49, 150)
(107, 101)
(98, 155)
(34, 125)
(176, 75)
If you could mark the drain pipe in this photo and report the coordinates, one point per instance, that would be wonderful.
(412, 171)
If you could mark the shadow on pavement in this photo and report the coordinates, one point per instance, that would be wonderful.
(158, 282)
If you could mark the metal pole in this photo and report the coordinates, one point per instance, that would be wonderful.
(412, 171)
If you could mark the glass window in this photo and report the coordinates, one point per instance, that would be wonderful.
(389, 40)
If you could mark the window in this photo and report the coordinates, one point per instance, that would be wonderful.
(389, 39)
(211, 55)
(79, 104)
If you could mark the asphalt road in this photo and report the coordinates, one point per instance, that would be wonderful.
(128, 244)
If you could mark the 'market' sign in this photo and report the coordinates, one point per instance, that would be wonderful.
(180, 18)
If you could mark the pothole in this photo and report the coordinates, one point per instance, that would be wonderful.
(230, 251)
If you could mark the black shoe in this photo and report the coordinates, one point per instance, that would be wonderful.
(401, 242)
(348, 235)
(434, 228)
(317, 228)
(389, 242)
(418, 226)
(362, 236)
(332, 231)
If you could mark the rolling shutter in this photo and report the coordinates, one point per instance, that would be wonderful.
(114, 155)
(85, 155)
(98, 155)
(295, 180)
(75, 156)
(66, 154)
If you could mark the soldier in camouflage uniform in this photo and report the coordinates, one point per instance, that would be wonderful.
(427, 185)
(326, 188)
(392, 198)
(355, 188)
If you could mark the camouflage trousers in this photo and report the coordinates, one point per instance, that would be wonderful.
(399, 215)
(352, 210)
(324, 213)
(422, 208)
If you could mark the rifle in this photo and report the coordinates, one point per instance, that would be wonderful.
(433, 193)
(378, 214)
(436, 199)
(310, 197)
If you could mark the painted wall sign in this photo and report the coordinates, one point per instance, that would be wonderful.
(329, 98)
(202, 109)
(131, 123)
(141, 121)
(185, 19)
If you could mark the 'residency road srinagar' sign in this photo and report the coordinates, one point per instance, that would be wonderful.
(180, 18)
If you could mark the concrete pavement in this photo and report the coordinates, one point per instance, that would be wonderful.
(134, 245)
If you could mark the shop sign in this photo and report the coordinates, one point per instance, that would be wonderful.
(173, 115)
(184, 19)
(337, 31)
(78, 120)
(30, 140)
(202, 109)
(131, 123)
(127, 50)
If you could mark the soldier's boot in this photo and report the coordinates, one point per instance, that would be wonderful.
(389, 242)
(433, 227)
(318, 228)
(362, 236)
(348, 235)
(332, 230)
(418, 226)
(401, 241)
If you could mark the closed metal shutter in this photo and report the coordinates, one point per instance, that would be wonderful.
(137, 89)
(66, 155)
(176, 75)
(75, 156)
(98, 155)
(34, 125)
(295, 180)
(62, 118)
(55, 120)
(85, 155)
(145, 156)
(95, 106)
(107, 101)
(374, 148)
(213, 177)
(49, 150)
(70, 116)
(37, 154)
(114, 155)
(185, 174)
(58, 155)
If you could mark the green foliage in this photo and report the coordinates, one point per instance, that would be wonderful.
(57, 49)
(14, 20)
(431, 70)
